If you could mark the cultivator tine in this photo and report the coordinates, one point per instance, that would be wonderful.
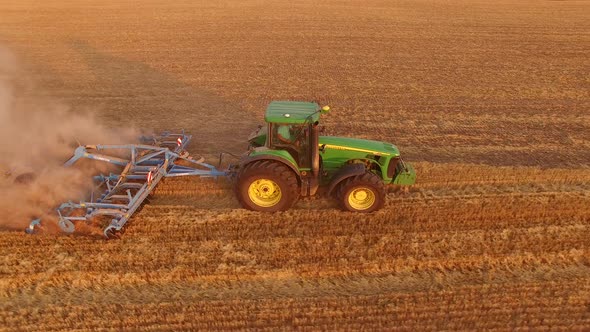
(33, 226)
(111, 232)
(119, 195)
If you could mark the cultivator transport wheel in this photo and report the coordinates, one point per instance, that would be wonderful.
(362, 193)
(267, 186)
(66, 226)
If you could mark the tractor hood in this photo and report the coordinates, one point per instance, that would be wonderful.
(359, 145)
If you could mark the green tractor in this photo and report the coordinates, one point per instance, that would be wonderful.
(289, 159)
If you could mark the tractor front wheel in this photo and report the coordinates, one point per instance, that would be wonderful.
(267, 186)
(362, 193)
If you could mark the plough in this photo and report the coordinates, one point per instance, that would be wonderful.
(119, 195)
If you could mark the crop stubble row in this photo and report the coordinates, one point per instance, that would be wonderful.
(545, 303)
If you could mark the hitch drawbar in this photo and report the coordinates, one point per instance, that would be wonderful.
(119, 195)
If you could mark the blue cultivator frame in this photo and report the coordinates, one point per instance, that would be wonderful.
(118, 196)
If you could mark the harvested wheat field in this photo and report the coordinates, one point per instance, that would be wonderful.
(489, 100)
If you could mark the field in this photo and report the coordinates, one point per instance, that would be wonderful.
(488, 99)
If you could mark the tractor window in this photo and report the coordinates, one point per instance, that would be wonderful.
(294, 138)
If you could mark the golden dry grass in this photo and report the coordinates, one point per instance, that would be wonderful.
(489, 100)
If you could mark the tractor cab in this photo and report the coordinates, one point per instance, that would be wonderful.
(294, 138)
(293, 127)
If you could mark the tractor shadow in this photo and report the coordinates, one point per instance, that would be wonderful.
(130, 93)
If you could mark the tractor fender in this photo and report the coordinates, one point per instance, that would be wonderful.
(287, 163)
(345, 172)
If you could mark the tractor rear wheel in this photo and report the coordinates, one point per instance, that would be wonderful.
(267, 186)
(362, 193)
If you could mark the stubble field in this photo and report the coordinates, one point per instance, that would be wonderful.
(489, 101)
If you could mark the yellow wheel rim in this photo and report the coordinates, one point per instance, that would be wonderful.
(361, 198)
(264, 193)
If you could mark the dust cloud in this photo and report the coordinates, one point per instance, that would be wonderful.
(37, 135)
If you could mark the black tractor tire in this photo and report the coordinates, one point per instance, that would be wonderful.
(283, 193)
(366, 191)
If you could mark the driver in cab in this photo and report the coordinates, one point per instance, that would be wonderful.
(285, 134)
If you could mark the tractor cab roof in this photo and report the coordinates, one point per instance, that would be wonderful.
(296, 112)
